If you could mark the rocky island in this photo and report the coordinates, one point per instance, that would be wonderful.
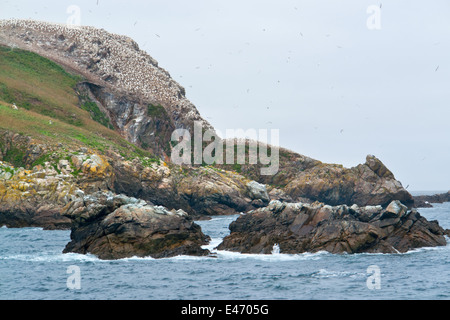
(298, 228)
(86, 119)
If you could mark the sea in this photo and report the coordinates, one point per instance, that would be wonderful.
(33, 267)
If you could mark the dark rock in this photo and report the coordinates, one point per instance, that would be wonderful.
(299, 228)
(115, 226)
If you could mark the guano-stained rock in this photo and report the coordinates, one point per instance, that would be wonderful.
(115, 227)
(299, 228)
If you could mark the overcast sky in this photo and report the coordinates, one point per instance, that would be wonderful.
(339, 79)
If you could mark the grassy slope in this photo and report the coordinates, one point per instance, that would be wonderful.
(45, 92)
(49, 108)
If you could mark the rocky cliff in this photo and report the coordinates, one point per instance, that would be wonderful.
(145, 105)
(303, 179)
(140, 98)
(56, 173)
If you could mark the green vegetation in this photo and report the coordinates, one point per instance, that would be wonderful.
(15, 156)
(7, 169)
(95, 112)
(38, 84)
(41, 160)
(33, 65)
(237, 167)
(51, 111)
(156, 111)
(148, 162)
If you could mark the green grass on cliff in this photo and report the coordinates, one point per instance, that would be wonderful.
(52, 111)
(49, 109)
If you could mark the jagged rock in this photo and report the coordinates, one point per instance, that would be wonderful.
(115, 226)
(299, 228)
(279, 194)
(258, 191)
(366, 184)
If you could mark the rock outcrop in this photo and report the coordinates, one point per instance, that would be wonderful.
(115, 226)
(299, 228)
(370, 183)
(56, 170)
(199, 191)
(304, 179)
(34, 198)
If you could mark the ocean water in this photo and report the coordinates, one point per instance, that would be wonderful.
(33, 267)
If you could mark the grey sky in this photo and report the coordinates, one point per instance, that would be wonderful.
(336, 90)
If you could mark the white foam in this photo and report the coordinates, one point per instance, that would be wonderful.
(271, 257)
(63, 257)
(211, 246)
(276, 249)
(324, 274)
(426, 249)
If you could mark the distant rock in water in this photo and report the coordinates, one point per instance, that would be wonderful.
(115, 226)
(425, 201)
(298, 228)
